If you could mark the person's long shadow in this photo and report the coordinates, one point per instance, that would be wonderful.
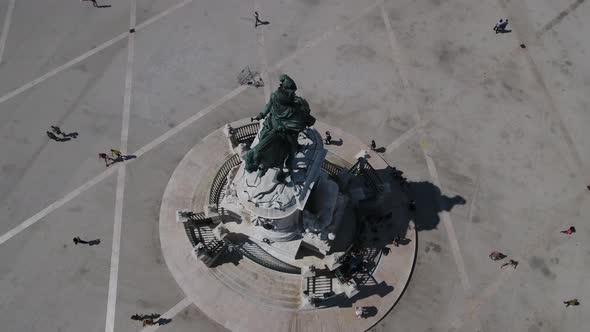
(381, 289)
(337, 142)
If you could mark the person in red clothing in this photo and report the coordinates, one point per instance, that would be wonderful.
(569, 231)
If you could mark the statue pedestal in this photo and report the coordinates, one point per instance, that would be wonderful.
(305, 208)
(268, 197)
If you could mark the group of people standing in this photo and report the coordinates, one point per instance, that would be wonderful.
(496, 256)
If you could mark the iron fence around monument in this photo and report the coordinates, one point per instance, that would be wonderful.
(372, 179)
(199, 229)
(331, 168)
(247, 133)
(220, 179)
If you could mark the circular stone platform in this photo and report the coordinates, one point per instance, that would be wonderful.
(242, 295)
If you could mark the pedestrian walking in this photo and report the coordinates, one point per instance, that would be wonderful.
(569, 231)
(510, 262)
(142, 317)
(106, 158)
(57, 130)
(116, 154)
(573, 302)
(496, 256)
(258, 21)
(500, 27)
(360, 312)
(328, 139)
(373, 145)
(78, 240)
(66, 137)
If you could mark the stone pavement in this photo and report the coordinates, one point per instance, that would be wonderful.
(461, 110)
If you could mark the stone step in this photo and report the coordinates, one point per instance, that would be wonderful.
(254, 271)
(252, 295)
(265, 279)
(255, 292)
(323, 284)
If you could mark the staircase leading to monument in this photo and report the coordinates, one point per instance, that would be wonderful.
(260, 285)
(319, 286)
(246, 268)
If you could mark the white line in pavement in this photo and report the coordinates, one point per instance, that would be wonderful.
(132, 15)
(128, 91)
(262, 55)
(114, 270)
(6, 27)
(444, 215)
(88, 54)
(162, 14)
(446, 218)
(171, 313)
(405, 136)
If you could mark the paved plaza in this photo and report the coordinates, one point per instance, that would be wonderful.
(469, 115)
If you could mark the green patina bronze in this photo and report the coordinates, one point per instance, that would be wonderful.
(285, 116)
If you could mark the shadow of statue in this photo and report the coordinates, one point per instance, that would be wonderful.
(429, 202)
(381, 289)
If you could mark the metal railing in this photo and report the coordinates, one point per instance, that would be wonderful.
(331, 168)
(199, 229)
(372, 179)
(247, 133)
(220, 179)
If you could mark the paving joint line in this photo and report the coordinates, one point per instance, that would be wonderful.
(120, 192)
(6, 27)
(262, 55)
